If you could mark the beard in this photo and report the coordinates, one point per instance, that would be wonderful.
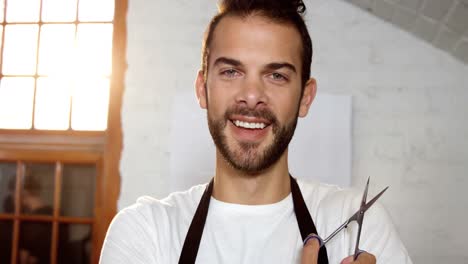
(248, 157)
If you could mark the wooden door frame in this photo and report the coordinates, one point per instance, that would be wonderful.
(104, 148)
(110, 183)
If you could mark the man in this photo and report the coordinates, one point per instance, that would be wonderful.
(255, 83)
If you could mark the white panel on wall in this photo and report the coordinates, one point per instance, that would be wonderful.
(320, 149)
(192, 159)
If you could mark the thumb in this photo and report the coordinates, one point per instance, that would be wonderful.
(310, 252)
(348, 260)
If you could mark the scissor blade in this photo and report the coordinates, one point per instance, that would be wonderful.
(364, 195)
(364, 208)
(371, 202)
(357, 215)
(342, 226)
(359, 222)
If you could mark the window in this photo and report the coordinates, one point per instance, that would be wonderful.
(55, 64)
(50, 215)
(62, 65)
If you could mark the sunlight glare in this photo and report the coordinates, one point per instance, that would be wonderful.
(74, 64)
(52, 104)
(16, 101)
(58, 10)
(94, 49)
(1, 32)
(56, 50)
(92, 10)
(19, 54)
(1, 10)
(90, 104)
(23, 10)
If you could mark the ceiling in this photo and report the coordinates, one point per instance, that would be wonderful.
(443, 23)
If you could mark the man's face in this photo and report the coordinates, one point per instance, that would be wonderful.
(253, 90)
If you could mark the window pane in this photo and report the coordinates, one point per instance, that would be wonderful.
(92, 10)
(90, 104)
(34, 242)
(74, 244)
(1, 32)
(7, 187)
(16, 102)
(19, 55)
(78, 188)
(6, 240)
(2, 10)
(94, 49)
(23, 10)
(52, 104)
(58, 10)
(56, 49)
(37, 194)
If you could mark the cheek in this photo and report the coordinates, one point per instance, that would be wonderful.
(285, 106)
(220, 96)
(217, 103)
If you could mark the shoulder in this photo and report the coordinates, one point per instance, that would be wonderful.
(176, 202)
(313, 189)
(136, 231)
(151, 212)
(330, 198)
(331, 205)
(334, 204)
(319, 196)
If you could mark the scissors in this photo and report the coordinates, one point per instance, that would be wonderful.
(358, 217)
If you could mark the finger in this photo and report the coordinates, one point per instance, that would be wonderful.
(363, 258)
(347, 260)
(310, 252)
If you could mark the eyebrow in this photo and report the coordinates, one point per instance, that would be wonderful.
(225, 60)
(269, 66)
(279, 65)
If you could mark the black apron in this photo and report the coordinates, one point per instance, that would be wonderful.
(194, 234)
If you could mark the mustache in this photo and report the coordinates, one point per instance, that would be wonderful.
(263, 113)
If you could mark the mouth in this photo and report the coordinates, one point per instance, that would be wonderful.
(249, 129)
(249, 125)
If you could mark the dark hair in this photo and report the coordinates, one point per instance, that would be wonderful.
(281, 11)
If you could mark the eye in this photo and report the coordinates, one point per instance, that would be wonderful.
(278, 76)
(230, 73)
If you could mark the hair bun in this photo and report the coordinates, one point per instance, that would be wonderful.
(279, 5)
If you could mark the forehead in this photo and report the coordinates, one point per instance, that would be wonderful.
(256, 40)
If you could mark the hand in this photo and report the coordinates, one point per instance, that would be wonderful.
(310, 252)
(363, 258)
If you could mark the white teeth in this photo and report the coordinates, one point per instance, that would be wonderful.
(249, 125)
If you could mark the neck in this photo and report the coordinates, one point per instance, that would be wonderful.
(265, 187)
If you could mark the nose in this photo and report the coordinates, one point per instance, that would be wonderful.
(252, 93)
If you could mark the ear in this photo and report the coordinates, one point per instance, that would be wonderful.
(308, 96)
(200, 89)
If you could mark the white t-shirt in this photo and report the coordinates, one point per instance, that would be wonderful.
(153, 231)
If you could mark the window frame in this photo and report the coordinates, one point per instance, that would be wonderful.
(118, 34)
(71, 146)
(59, 159)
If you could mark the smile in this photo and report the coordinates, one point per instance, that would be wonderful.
(249, 125)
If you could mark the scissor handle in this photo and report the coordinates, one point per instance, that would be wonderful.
(314, 236)
(359, 252)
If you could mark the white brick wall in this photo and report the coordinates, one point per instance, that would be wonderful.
(409, 120)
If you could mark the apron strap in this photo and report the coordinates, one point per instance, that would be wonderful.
(304, 220)
(195, 232)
